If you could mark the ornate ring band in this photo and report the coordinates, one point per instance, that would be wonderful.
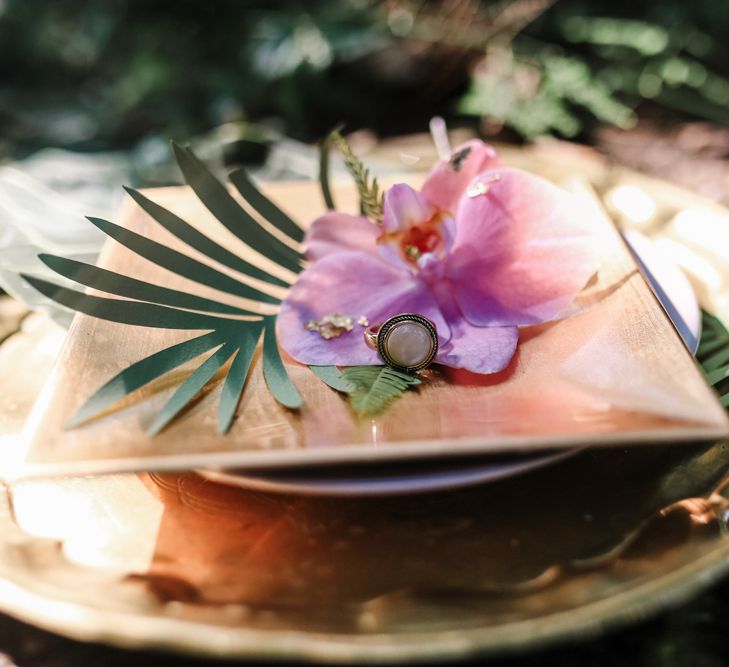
(407, 342)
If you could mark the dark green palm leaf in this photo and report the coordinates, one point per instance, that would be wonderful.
(236, 378)
(215, 196)
(158, 306)
(179, 263)
(278, 380)
(127, 312)
(190, 388)
(143, 372)
(197, 240)
(121, 285)
(264, 206)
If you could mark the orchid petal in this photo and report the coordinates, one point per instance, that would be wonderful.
(450, 177)
(355, 284)
(390, 252)
(448, 229)
(478, 349)
(337, 232)
(522, 250)
(432, 269)
(403, 208)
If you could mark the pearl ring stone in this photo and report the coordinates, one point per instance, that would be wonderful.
(407, 342)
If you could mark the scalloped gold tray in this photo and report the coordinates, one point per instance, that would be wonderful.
(175, 562)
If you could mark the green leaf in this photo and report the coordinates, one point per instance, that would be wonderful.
(274, 371)
(197, 240)
(370, 198)
(264, 206)
(332, 376)
(713, 355)
(376, 387)
(187, 391)
(179, 263)
(236, 378)
(716, 360)
(216, 198)
(128, 312)
(711, 346)
(116, 283)
(326, 192)
(157, 306)
(715, 377)
(141, 373)
(713, 324)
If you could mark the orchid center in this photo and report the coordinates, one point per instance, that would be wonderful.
(422, 238)
(416, 239)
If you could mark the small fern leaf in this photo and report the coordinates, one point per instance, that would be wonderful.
(374, 388)
(331, 376)
(370, 197)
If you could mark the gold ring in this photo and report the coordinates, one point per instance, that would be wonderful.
(406, 342)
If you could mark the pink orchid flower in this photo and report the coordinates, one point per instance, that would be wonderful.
(481, 250)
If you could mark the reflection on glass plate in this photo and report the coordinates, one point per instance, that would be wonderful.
(388, 481)
(678, 299)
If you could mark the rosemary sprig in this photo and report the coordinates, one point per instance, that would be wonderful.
(370, 197)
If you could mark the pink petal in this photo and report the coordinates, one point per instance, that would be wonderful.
(337, 232)
(478, 349)
(448, 229)
(350, 283)
(390, 252)
(522, 251)
(449, 178)
(403, 208)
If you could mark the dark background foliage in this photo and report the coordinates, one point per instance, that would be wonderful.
(90, 74)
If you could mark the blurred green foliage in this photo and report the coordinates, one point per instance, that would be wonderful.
(599, 61)
(101, 74)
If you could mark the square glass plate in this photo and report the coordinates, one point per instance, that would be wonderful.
(616, 372)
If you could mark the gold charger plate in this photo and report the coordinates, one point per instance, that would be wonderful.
(175, 562)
